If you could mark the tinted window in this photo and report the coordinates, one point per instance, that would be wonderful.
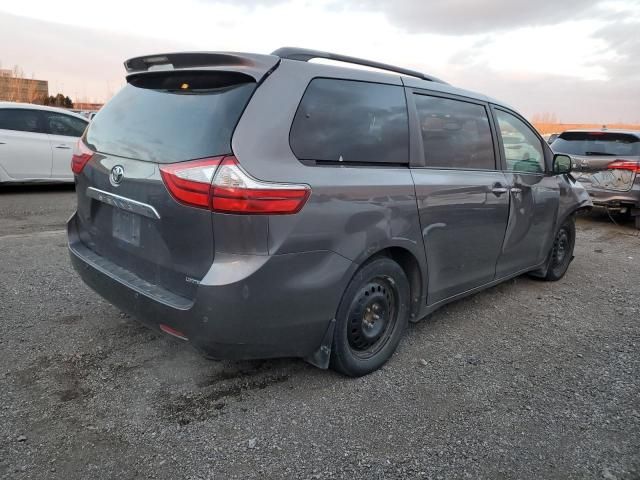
(455, 134)
(22, 120)
(172, 117)
(349, 121)
(522, 147)
(597, 143)
(60, 124)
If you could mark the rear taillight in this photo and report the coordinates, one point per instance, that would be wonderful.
(235, 191)
(222, 185)
(190, 182)
(624, 165)
(81, 155)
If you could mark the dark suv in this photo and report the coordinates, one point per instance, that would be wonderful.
(266, 206)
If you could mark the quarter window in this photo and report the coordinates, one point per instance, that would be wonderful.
(59, 124)
(21, 120)
(455, 134)
(522, 148)
(352, 122)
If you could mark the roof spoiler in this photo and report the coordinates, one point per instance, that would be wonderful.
(304, 55)
(252, 64)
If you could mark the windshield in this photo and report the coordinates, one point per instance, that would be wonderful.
(597, 143)
(169, 118)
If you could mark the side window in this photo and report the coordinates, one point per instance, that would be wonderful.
(60, 124)
(353, 122)
(21, 120)
(522, 148)
(455, 134)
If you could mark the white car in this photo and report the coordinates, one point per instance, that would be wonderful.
(36, 142)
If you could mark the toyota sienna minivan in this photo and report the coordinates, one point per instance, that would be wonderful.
(263, 206)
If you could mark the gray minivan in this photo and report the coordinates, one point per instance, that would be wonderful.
(264, 206)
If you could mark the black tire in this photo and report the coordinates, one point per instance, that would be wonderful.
(561, 251)
(371, 318)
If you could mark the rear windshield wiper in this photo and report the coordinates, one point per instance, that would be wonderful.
(601, 153)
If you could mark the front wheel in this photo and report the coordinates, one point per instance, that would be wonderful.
(561, 251)
(371, 318)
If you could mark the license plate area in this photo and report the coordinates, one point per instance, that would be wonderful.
(126, 227)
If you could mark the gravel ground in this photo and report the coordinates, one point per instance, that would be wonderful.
(526, 380)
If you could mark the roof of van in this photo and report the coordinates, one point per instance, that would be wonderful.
(257, 65)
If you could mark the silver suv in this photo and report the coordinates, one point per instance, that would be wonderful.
(607, 163)
(266, 206)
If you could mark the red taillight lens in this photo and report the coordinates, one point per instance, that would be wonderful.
(624, 165)
(190, 182)
(235, 191)
(81, 155)
(220, 184)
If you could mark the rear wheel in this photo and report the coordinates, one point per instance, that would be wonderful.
(371, 318)
(561, 251)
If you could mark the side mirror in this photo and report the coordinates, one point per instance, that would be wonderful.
(561, 164)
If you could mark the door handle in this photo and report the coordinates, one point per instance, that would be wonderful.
(516, 190)
(3, 143)
(498, 189)
(63, 147)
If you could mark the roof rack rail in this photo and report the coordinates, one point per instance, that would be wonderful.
(304, 55)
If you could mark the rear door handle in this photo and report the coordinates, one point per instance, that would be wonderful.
(63, 147)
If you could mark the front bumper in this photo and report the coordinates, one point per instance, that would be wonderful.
(246, 306)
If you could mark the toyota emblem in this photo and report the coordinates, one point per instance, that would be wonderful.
(116, 176)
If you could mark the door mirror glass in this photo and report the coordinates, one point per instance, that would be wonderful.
(561, 164)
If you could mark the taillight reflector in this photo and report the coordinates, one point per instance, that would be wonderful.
(81, 156)
(222, 185)
(173, 332)
(624, 165)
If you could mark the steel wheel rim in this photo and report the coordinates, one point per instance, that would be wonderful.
(372, 317)
(561, 247)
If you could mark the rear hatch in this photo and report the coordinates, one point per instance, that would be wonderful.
(602, 160)
(126, 215)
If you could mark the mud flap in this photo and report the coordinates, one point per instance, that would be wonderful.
(320, 358)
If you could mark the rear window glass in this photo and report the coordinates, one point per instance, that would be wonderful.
(59, 124)
(455, 134)
(352, 122)
(21, 120)
(597, 143)
(170, 118)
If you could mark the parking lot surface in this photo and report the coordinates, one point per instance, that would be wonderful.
(525, 380)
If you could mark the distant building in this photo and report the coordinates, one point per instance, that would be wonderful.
(87, 106)
(18, 89)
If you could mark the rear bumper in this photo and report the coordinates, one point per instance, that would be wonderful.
(614, 199)
(246, 306)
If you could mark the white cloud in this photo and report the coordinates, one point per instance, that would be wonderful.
(80, 45)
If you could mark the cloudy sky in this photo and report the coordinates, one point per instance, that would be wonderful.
(577, 59)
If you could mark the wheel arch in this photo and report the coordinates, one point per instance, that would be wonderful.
(412, 269)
